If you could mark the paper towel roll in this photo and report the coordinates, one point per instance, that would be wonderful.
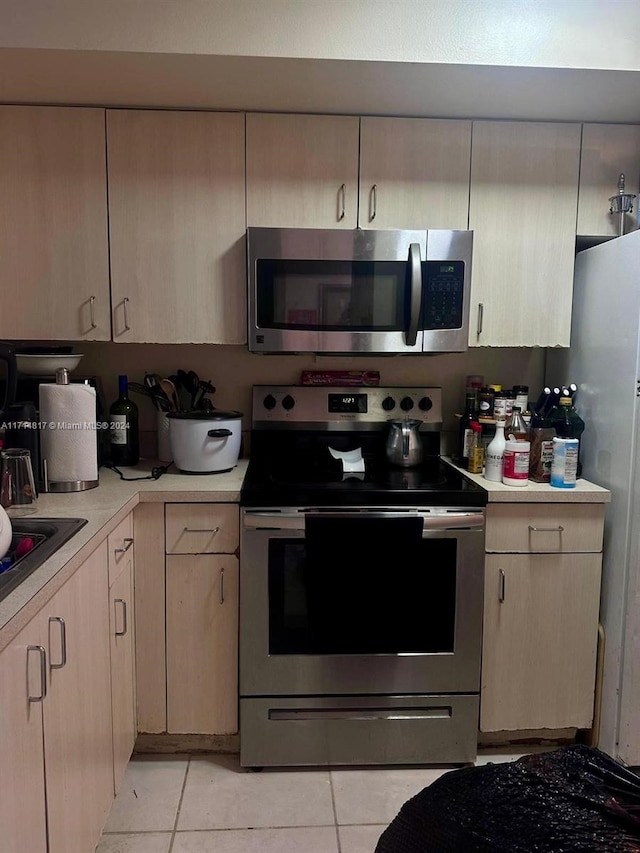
(68, 440)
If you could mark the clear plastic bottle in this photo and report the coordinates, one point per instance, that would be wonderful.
(494, 456)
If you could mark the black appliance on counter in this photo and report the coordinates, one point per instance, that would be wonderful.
(361, 591)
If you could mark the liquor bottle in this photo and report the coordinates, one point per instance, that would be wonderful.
(494, 456)
(515, 426)
(567, 423)
(476, 450)
(123, 417)
(537, 413)
(465, 433)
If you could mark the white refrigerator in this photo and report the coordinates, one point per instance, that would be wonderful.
(603, 359)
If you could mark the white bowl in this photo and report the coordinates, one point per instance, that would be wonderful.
(46, 365)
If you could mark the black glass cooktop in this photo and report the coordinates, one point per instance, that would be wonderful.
(298, 470)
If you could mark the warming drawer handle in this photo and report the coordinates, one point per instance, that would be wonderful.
(440, 712)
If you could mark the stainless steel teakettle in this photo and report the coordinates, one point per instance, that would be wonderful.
(404, 445)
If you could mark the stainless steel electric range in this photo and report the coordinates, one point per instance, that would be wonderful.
(361, 585)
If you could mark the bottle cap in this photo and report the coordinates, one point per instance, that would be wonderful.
(475, 426)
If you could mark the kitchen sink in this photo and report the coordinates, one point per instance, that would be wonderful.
(48, 535)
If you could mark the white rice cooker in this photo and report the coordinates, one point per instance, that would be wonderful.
(205, 442)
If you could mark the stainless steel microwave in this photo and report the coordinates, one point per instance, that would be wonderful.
(358, 292)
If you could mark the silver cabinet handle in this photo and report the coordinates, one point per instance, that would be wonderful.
(480, 318)
(374, 202)
(92, 313)
(125, 302)
(63, 642)
(212, 530)
(43, 673)
(557, 529)
(342, 201)
(221, 586)
(124, 616)
(128, 543)
(503, 585)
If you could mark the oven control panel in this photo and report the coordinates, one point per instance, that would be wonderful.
(364, 406)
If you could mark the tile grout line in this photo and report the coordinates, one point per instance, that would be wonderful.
(175, 823)
(335, 813)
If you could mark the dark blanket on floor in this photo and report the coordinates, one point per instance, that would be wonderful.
(575, 799)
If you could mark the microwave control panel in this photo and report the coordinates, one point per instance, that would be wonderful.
(443, 296)
(326, 406)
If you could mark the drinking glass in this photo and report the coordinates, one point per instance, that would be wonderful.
(18, 493)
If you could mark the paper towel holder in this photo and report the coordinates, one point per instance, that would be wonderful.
(62, 378)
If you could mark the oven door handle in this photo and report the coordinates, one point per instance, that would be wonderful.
(296, 520)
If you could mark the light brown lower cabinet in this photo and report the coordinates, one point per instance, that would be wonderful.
(540, 641)
(202, 643)
(55, 718)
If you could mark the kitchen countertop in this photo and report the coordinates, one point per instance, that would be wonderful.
(584, 491)
(104, 508)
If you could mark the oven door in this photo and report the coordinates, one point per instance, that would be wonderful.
(361, 602)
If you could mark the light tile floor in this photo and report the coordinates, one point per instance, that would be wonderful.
(209, 804)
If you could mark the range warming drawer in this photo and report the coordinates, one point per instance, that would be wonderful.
(355, 730)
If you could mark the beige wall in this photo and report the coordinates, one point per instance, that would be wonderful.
(234, 370)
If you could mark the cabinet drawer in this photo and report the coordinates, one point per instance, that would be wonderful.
(528, 528)
(202, 528)
(120, 546)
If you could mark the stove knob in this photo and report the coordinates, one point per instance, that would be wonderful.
(269, 402)
(406, 404)
(388, 404)
(425, 404)
(288, 402)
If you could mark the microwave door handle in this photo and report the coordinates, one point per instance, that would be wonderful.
(415, 296)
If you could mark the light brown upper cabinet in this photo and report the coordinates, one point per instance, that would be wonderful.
(523, 201)
(54, 263)
(414, 173)
(302, 171)
(607, 151)
(177, 226)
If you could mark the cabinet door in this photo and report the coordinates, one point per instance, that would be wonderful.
(202, 644)
(177, 226)
(121, 625)
(151, 684)
(414, 173)
(302, 171)
(522, 210)
(607, 151)
(22, 804)
(540, 638)
(78, 732)
(54, 263)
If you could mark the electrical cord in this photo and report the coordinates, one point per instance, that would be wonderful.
(155, 474)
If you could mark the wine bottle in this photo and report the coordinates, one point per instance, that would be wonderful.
(465, 433)
(123, 417)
